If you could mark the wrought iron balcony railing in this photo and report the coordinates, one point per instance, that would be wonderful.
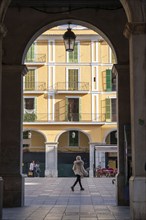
(34, 86)
(36, 58)
(70, 86)
(69, 117)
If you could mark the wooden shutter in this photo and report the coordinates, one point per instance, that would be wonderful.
(73, 56)
(66, 109)
(108, 109)
(80, 115)
(30, 80)
(108, 80)
(73, 79)
(30, 54)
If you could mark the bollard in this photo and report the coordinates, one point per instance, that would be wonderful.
(1, 197)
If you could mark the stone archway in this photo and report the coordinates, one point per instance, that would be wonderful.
(14, 57)
(135, 13)
(70, 144)
(33, 150)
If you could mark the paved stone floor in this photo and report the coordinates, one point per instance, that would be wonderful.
(52, 199)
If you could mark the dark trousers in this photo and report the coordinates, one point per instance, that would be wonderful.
(78, 180)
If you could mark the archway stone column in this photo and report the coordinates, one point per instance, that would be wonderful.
(92, 159)
(136, 32)
(123, 118)
(11, 135)
(51, 159)
(3, 32)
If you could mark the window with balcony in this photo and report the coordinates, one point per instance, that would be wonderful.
(29, 109)
(73, 79)
(30, 80)
(73, 56)
(111, 109)
(72, 109)
(73, 138)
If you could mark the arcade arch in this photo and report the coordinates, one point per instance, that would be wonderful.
(136, 12)
(33, 150)
(70, 144)
(14, 56)
(51, 167)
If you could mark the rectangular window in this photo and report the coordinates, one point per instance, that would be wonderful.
(72, 108)
(29, 104)
(30, 80)
(73, 79)
(30, 54)
(73, 56)
(111, 110)
(29, 109)
(73, 138)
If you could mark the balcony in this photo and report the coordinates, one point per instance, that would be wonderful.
(68, 117)
(70, 87)
(38, 87)
(37, 59)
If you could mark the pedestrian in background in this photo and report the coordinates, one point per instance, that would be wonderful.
(79, 171)
(37, 169)
(32, 168)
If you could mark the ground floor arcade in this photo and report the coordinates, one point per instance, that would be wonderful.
(57, 147)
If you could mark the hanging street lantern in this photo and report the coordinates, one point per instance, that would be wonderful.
(69, 39)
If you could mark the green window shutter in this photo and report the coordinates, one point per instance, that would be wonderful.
(108, 80)
(30, 54)
(108, 109)
(80, 116)
(76, 53)
(35, 104)
(73, 56)
(73, 79)
(66, 109)
(30, 80)
(70, 57)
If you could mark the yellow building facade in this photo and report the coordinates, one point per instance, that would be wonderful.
(69, 103)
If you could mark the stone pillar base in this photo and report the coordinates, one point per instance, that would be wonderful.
(1, 196)
(122, 191)
(13, 193)
(51, 173)
(138, 198)
(91, 173)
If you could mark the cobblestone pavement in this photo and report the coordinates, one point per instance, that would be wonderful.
(52, 199)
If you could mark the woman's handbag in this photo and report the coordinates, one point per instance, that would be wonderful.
(30, 173)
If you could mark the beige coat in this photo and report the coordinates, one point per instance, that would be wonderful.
(78, 168)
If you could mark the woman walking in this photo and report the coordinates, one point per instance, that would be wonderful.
(79, 171)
